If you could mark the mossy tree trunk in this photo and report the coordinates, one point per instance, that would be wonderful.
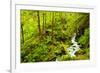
(22, 33)
(39, 27)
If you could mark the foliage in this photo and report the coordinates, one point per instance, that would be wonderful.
(46, 35)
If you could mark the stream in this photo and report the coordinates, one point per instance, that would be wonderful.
(74, 47)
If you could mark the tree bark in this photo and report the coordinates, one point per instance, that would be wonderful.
(45, 22)
(43, 25)
(52, 24)
(22, 33)
(39, 27)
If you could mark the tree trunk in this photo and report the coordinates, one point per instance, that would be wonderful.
(39, 27)
(43, 26)
(22, 33)
(52, 24)
(45, 22)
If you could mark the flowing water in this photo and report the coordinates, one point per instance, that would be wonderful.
(74, 47)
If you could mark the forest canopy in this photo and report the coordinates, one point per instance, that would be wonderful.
(54, 36)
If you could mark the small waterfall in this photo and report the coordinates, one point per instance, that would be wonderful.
(74, 47)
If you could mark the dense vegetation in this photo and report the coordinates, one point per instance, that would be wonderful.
(46, 35)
